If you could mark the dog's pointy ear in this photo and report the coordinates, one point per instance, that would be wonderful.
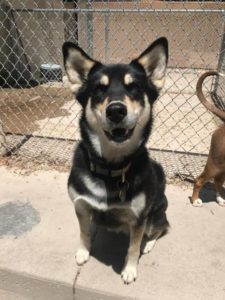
(154, 60)
(77, 65)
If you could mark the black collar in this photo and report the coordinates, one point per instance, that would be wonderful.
(96, 168)
(102, 168)
(122, 183)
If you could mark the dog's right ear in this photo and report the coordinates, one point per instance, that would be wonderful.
(154, 60)
(77, 65)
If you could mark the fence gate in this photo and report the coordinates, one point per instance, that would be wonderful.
(38, 114)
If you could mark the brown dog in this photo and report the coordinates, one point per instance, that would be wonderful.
(215, 166)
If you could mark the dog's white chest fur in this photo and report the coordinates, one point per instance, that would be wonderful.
(98, 190)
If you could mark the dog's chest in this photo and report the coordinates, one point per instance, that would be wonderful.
(112, 201)
(117, 213)
(111, 192)
(115, 218)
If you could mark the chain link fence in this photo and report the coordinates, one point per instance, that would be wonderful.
(38, 114)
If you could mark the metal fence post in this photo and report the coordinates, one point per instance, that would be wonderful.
(89, 30)
(106, 37)
(219, 89)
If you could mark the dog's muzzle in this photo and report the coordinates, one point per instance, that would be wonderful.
(116, 113)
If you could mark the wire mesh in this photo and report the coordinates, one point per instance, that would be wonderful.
(39, 116)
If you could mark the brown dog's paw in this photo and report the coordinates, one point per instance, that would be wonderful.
(197, 203)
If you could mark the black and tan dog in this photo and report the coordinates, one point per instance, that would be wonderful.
(113, 182)
(215, 165)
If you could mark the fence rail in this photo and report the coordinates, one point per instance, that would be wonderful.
(119, 10)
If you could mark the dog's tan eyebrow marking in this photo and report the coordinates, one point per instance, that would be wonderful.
(104, 80)
(128, 79)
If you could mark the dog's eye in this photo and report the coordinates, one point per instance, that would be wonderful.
(101, 87)
(132, 86)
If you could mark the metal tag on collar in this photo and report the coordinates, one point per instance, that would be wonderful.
(123, 186)
(92, 167)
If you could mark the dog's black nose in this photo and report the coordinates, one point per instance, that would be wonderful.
(115, 112)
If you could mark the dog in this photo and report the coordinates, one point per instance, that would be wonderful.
(215, 165)
(113, 182)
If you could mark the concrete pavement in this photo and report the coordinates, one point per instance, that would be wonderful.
(39, 235)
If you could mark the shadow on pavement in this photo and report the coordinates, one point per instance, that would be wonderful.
(110, 248)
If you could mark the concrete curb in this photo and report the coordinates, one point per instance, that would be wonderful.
(29, 287)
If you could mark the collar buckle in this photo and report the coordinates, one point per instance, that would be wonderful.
(123, 186)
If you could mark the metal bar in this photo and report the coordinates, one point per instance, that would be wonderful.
(89, 30)
(221, 64)
(127, 10)
(17, 146)
(28, 136)
(220, 81)
(177, 152)
(106, 38)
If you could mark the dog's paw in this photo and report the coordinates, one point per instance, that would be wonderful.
(148, 246)
(220, 201)
(197, 203)
(82, 256)
(129, 274)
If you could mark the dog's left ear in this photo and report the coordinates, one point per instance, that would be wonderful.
(77, 65)
(154, 60)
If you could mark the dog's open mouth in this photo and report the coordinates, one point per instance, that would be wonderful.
(119, 135)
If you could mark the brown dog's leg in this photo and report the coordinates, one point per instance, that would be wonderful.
(210, 171)
(199, 182)
(129, 273)
(219, 181)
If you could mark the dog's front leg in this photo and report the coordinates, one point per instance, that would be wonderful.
(84, 215)
(129, 273)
